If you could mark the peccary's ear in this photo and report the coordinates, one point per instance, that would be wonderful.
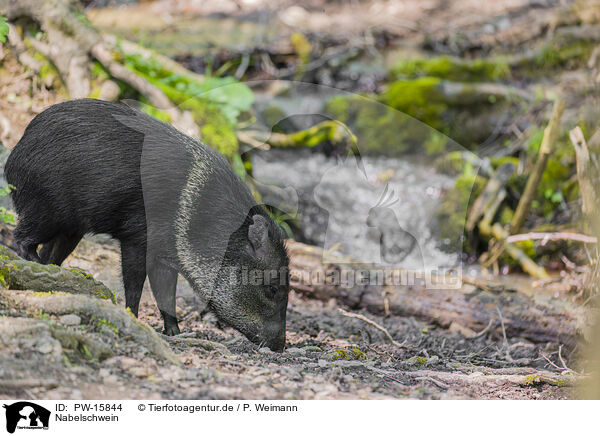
(258, 235)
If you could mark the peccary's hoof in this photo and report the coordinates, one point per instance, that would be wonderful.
(171, 330)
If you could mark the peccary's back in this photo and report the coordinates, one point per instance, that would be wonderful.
(78, 166)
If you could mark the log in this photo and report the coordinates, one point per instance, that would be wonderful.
(537, 318)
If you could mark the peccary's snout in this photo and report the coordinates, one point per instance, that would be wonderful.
(275, 336)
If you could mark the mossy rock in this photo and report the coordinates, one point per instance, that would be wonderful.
(416, 115)
(418, 98)
(19, 274)
(558, 54)
(450, 68)
(383, 130)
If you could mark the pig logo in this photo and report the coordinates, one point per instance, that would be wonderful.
(26, 415)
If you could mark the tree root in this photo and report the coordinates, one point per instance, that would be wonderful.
(19, 274)
(512, 376)
(89, 308)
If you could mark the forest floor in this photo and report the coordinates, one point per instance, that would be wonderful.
(328, 355)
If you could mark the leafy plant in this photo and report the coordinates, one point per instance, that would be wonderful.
(3, 29)
(5, 215)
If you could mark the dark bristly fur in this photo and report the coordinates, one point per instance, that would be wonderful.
(175, 205)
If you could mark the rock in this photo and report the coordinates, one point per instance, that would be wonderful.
(294, 351)
(433, 360)
(70, 319)
(46, 346)
(312, 349)
(265, 350)
(21, 335)
(141, 371)
(462, 330)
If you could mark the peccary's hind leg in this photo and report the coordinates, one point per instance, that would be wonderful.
(163, 281)
(133, 262)
(58, 249)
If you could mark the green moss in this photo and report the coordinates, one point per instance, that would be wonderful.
(128, 310)
(303, 49)
(418, 361)
(352, 354)
(48, 73)
(4, 276)
(104, 322)
(506, 215)
(455, 163)
(381, 129)
(452, 213)
(532, 379)
(82, 273)
(42, 315)
(48, 293)
(449, 68)
(556, 55)
(83, 349)
(497, 162)
(417, 98)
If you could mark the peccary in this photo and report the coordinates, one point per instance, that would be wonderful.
(174, 204)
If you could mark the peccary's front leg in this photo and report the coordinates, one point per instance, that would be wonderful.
(163, 281)
(133, 262)
(59, 248)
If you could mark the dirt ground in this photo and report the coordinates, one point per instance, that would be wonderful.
(327, 356)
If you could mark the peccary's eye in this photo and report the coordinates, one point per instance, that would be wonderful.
(271, 291)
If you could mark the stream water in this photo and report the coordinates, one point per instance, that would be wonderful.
(351, 212)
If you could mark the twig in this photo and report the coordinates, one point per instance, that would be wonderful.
(508, 356)
(484, 331)
(374, 324)
(558, 236)
(434, 381)
(562, 360)
(551, 362)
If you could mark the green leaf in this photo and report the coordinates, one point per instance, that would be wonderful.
(3, 29)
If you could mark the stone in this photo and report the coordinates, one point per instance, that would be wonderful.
(294, 351)
(70, 319)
